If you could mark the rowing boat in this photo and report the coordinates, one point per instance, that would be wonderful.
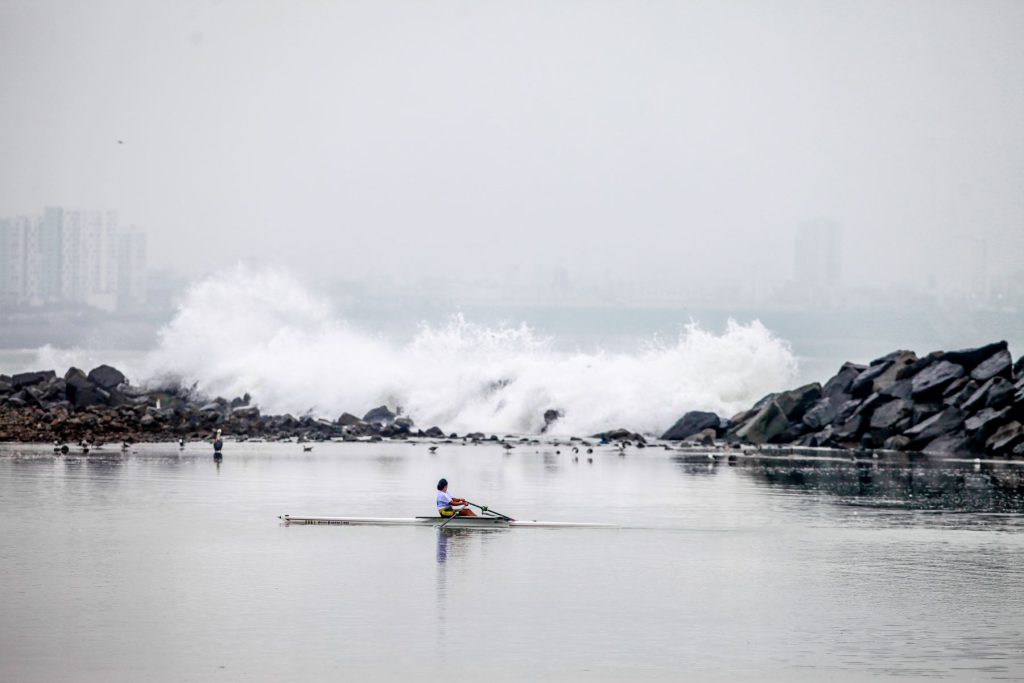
(461, 522)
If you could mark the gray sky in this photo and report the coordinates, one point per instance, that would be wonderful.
(622, 139)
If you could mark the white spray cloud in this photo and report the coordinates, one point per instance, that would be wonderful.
(261, 332)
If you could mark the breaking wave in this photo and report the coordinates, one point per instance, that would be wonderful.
(263, 333)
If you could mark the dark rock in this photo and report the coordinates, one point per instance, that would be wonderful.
(955, 442)
(619, 434)
(896, 443)
(6, 387)
(902, 389)
(380, 415)
(886, 417)
(81, 393)
(949, 420)
(768, 423)
(849, 430)
(959, 391)
(846, 411)
(870, 404)
(705, 437)
(348, 419)
(54, 390)
(434, 433)
(900, 368)
(244, 412)
(1006, 438)
(106, 377)
(840, 384)
(27, 379)
(691, 423)
(1018, 369)
(981, 397)
(795, 402)
(985, 422)
(823, 412)
(865, 381)
(933, 379)
(999, 364)
(969, 358)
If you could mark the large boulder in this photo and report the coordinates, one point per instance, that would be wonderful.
(769, 423)
(901, 389)
(885, 418)
(865, 382)
(945, 422)
(1006, 438)
(380, 415)
(993, 393)
(954, 442)
(985, 422)
(822, 413)
(691, 423)
(935, 378)
(348, 419)
(28, 379)
(795, 402)
(970, 358)
(839, 385)
(106, 377)
(999, 364)
(81, 393)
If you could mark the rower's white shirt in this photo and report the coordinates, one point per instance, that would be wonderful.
(443, 500)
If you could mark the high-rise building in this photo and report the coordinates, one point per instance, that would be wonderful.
(70, 256)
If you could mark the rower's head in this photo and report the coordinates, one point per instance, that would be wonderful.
(442, 485)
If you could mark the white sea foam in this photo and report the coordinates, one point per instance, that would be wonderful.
(261, 332)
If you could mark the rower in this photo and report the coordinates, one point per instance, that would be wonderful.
(445, 502)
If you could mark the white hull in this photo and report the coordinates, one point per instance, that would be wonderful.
(456, 523)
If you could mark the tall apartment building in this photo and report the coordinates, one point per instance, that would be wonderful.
(70, 256)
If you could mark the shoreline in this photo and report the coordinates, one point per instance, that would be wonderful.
(968, 402)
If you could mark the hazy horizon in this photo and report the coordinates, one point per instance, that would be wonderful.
(672, 143)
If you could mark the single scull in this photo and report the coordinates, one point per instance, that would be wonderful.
(481, 522)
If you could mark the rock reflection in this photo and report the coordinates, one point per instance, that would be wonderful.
(945, 486)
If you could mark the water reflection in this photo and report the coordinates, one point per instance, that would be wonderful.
(956, 487)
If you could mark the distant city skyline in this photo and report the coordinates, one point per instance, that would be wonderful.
(72, 256)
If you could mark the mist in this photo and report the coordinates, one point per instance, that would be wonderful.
(847, 175)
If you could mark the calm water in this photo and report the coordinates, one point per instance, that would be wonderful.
(162, 566)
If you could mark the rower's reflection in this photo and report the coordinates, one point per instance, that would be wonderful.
(450, 542)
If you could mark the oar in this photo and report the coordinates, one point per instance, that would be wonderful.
(484, 508)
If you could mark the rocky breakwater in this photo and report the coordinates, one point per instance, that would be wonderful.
(103, 406)
(966, 402)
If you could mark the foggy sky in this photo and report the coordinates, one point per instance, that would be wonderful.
(680, 140)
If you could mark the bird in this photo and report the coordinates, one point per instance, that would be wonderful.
(218, 444)
(432, 449)
(590, 450)
(307, 449)
(575, 450)
(507, 447)
(590, 460)
(181, 444)
(120, 142)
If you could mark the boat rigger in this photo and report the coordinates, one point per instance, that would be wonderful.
(481, 522)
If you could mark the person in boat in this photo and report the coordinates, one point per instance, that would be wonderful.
(445, 503)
